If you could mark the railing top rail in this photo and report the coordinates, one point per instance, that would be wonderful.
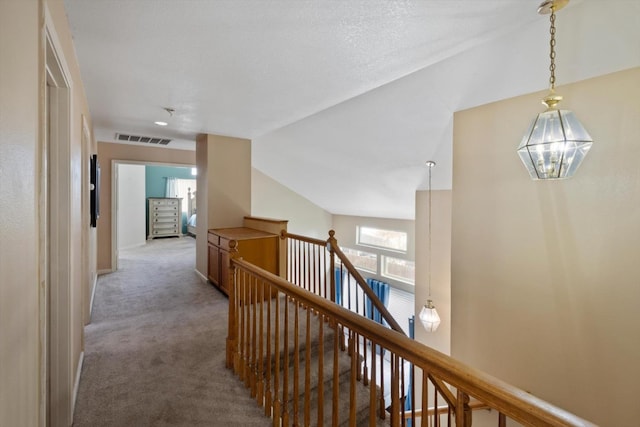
(319, 242)
(509, 400)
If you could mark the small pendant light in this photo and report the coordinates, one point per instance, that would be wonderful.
(428, 315)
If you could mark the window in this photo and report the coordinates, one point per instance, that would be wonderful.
(386, 239)
(399, 269)
(362, 260)
(177, 187)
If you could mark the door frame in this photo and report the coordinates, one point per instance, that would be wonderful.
(56, 359)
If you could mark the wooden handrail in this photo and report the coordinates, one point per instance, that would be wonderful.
(284, 234)
(508, 400)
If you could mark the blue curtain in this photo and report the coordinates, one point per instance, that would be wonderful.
(381, 289)
(412, 335)
(338, 274)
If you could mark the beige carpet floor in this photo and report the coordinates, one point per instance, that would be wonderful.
(155, 348)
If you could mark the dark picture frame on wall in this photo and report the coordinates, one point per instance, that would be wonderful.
(94, 198)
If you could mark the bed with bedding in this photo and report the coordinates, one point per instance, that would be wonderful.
(191, 213)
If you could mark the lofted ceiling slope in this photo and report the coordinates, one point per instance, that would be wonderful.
(344, 100)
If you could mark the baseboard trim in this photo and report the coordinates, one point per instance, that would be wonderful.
(76, 384)
(201, 276)
(106, 271)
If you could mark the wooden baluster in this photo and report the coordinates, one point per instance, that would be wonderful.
(365, 368)
(267, 400)
(436, 414)
(307, 372)
(254, 342)
(312, 270)
(321, 321)
(276, 371)
(285, 369)
(395, 390)
(502, 420)
(242, 328)
(358, 370)
(307, 284)
(260, 363)
(373, 387)
(292, 259)
(403, 394)
(353, 378)
(424, 420)
(327, 292)
(232, 332)
(413, 395)
(336, 379)
(247, 306)
(296, 363)
(380, 357)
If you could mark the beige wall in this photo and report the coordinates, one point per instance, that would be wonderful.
(545, 275)
(22, 270)
(19, 317)
(270, 199)
(107, 152)
(440, 265)
(224, 187)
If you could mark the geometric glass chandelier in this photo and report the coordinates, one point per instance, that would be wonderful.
(556, 142)
(428, 315)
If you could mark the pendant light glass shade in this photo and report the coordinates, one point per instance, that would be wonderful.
(555, 145)
(556, 142)
(429, 317)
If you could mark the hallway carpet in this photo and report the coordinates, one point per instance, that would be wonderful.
(155, 348)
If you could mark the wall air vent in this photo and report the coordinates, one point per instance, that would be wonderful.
(137, 138)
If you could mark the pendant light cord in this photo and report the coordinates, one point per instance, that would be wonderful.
(429, 257)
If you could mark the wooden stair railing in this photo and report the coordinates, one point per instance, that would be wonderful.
(277, 346)
(304, 252)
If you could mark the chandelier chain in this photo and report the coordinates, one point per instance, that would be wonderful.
(552, 49)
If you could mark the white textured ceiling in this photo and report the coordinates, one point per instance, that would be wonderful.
(344, 100)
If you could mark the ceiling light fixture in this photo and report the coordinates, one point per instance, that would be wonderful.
(428, 315)
(556, 142)
(168, 110)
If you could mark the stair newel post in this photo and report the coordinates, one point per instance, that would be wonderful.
(331, 244)
(232, 336)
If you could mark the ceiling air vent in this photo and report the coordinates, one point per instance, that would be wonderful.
(145, 139)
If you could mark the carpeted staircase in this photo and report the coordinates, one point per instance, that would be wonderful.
(292, 403)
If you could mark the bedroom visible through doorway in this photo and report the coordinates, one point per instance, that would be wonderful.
(134, 183)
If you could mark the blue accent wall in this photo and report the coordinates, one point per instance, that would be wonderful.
(156, 182)
(155, 178)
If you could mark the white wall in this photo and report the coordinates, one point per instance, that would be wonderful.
(270, 199)
(131, 205)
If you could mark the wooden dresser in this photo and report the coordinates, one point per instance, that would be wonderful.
(257, 247)
(164, 217)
